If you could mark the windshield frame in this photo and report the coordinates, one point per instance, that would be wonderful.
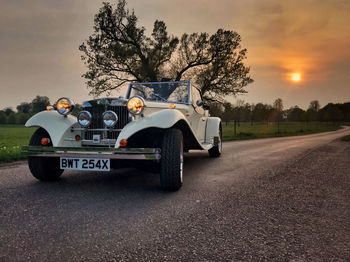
(167, 82)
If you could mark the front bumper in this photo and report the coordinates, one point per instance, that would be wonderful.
(96, 152)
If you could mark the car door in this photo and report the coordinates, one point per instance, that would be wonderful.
(198, 118)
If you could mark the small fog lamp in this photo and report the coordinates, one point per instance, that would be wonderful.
(84, 118)
(109, 118)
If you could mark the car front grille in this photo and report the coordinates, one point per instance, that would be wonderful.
(97, 121)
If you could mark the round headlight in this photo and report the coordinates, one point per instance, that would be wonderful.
(84, 118)
(64, 106)
(109, 118)
(135, 105)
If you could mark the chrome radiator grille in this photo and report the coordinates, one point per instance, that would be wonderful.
(97, 122)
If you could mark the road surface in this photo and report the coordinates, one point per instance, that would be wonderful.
(278, 199)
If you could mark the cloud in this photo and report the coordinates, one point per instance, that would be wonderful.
(40, 38)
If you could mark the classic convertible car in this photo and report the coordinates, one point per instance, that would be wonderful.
(156, 122)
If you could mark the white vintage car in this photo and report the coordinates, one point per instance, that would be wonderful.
(155, 123)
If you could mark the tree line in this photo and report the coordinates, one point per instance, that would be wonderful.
(261, 112)
(27, 109)
(240, 111)
(24, 111)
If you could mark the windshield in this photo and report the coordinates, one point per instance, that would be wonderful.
(172, 92)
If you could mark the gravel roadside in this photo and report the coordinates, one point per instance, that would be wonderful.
(296, 212)
(256, 209)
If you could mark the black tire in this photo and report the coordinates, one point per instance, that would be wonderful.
(215, 151)
(171, 163)
(43, 168)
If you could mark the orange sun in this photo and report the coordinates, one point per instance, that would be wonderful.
(295, 77)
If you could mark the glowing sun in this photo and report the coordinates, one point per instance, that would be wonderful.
(295, 77)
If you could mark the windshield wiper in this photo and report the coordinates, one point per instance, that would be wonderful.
(160, 97)
(144, 94)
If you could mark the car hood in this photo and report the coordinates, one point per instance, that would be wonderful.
(109, 101)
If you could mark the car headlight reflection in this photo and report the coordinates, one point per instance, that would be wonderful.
(84, 118)
(135, 105)
(64, 106)
(109, 118)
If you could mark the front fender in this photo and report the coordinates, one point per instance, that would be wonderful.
(58, 127)
(161, 119)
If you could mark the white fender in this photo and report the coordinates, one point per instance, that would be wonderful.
(161, 119)
(213, 128)
(58, 127)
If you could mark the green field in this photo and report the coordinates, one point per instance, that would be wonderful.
(261, 130)
(13, 137)
(11, 140)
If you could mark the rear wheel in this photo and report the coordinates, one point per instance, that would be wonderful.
(215, 151)
(171, 163)
(43, 168)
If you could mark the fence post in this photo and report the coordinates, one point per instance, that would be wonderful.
(235, 127)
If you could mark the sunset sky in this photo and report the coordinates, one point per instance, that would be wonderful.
(297, 50)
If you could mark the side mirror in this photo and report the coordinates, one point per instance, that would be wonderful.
(199, 102)
(206, 107)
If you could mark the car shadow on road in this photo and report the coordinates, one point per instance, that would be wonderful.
(118, 181)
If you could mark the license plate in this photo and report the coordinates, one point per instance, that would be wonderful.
(94, 164)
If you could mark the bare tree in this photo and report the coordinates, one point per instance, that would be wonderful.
(120, 52)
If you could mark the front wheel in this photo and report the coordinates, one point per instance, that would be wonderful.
(43, 168)
(171, 163)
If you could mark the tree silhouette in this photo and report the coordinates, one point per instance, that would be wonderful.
(119, 52)
(8, 111)
(39, 103)
(295, 114)
(261, 112)
(314, 105)
(24, 107)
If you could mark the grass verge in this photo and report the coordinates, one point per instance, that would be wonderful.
(13, 137)
(11, 140)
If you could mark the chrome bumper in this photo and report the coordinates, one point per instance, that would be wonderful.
(96, 152)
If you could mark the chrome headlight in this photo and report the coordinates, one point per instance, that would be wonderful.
(109, 118)
(136, 105)
(84, 118)
(64, 106)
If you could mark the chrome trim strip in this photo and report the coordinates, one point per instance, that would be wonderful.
(103, 156)
(90, 149)
(98, 152)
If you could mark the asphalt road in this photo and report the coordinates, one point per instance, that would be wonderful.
(279, 199)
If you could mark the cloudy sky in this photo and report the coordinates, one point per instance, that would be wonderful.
(39, 42)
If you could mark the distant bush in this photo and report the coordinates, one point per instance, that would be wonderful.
(14, 118)
(346, 138)
(3, 118)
